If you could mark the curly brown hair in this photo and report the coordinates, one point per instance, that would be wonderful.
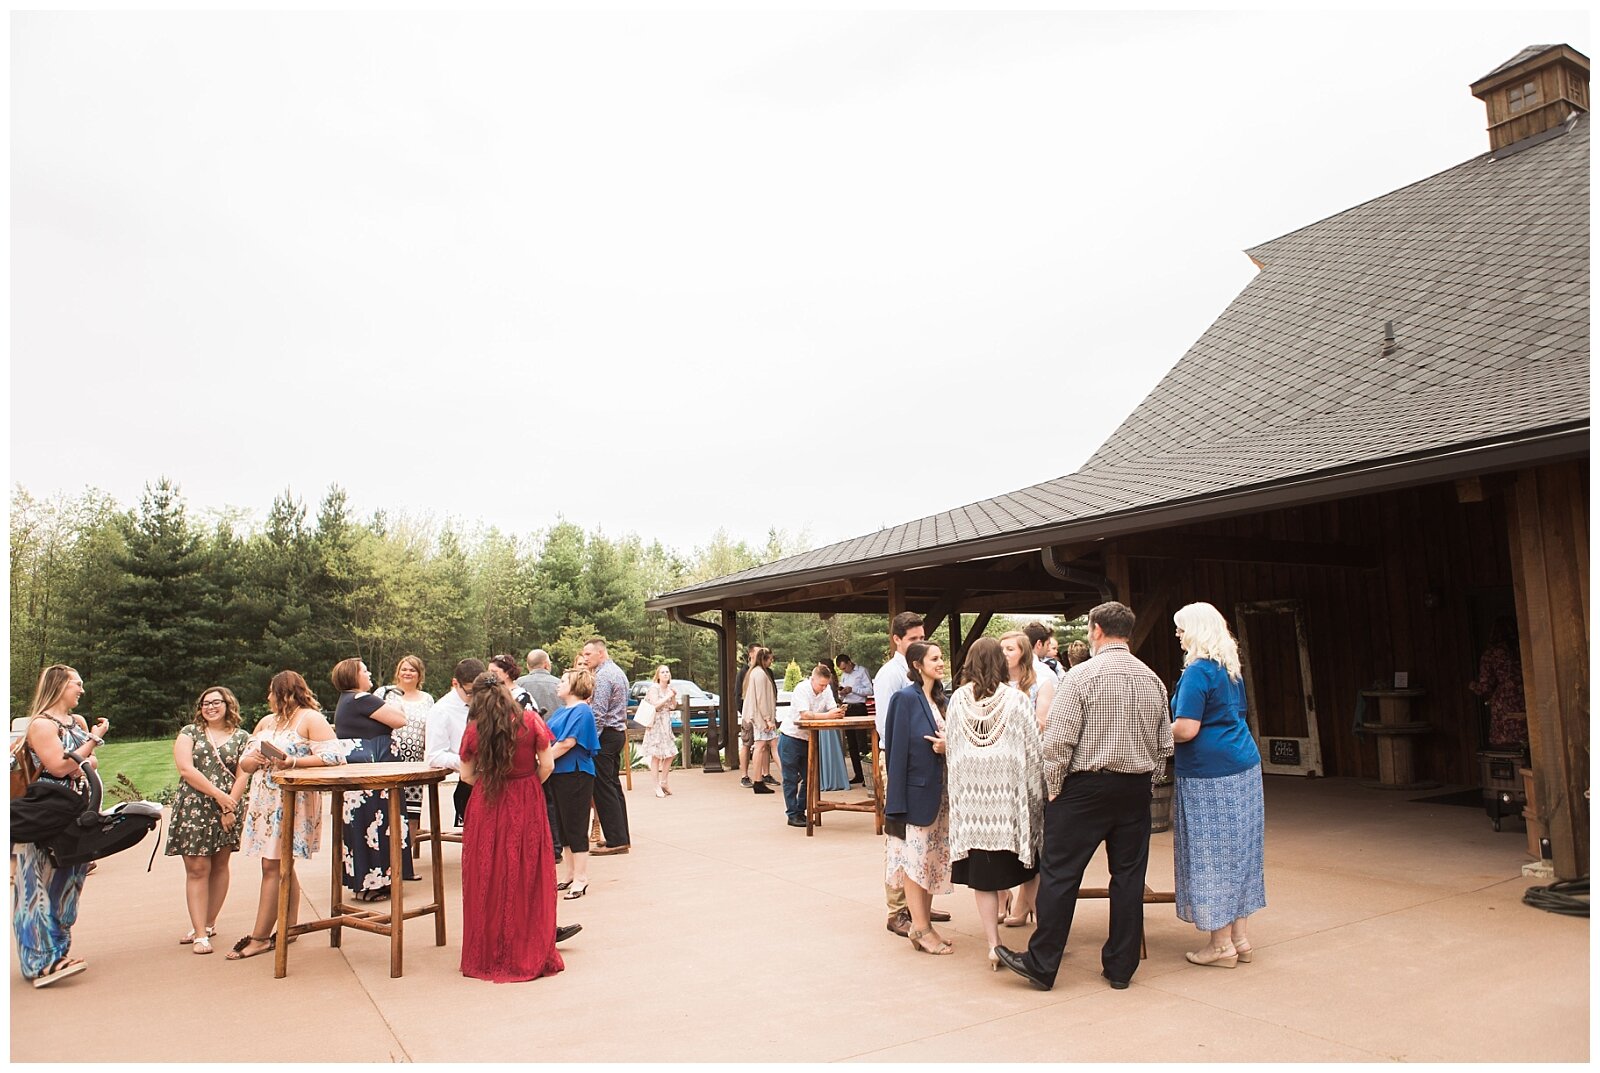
(985, 668)
(287, 693)
(230, 705)
(499, 720)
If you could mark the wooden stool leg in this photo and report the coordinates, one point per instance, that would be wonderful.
(438, 868)
(622, 761)
(336, 897)
(280, 967)
(397, 912)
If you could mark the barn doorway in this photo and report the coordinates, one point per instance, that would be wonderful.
(1276, 661)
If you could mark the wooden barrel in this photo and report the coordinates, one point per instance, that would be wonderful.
(1161, 806)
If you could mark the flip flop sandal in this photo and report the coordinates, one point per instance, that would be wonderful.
(564, 885)
(576, 892)
(189, 938)
(238, 954)
(59, 971)
(202, 945)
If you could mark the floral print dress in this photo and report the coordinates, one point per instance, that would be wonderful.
(264, 819)
(196, 822)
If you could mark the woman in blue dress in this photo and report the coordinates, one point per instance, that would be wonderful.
(45, 901)
(367, 724)
(577, 741)
(1218, 819)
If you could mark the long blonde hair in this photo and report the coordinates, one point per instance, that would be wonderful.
(1025, 672)
(52, 683)
(1206, 636)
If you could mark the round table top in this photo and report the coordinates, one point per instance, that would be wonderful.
(361, 776)
(849, 722)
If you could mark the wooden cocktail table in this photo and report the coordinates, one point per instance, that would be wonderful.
(363, 916)
(815, 805)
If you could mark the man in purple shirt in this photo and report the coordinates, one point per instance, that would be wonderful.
(610, 704)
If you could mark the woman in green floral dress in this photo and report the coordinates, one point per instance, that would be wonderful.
(205, 813)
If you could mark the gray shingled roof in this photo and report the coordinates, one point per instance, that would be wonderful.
(1483, 270)
(1522, 57)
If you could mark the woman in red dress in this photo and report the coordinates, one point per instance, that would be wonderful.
(508, 880)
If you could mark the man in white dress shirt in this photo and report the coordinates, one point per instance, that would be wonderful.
(1042, 637)
(854, 689)
(447, 721)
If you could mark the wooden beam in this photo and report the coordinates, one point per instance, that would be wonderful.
(1153, 606)
(1549, 530)
(1242, 550)
(811, 593)
(979, 624)
(940, 611)
(973, 578)
(1117, 572)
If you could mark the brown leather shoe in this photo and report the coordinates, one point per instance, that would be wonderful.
(900, 923)
(606, 851)
(938, 916)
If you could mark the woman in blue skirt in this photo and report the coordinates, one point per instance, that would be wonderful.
(1218, 822)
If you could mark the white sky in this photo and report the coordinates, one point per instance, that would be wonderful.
(663, 273)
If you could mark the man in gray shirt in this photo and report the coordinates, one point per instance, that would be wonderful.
(539, 683)
(1107, 732)
(610, 704)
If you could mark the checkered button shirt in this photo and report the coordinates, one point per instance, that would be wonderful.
(1110, 714)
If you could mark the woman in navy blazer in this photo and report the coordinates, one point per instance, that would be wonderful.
(919, 828)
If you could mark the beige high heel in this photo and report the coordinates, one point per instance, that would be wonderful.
(1017, 922)
(994, 959)
(1213, 956)
(1242, 948)
(916, 944)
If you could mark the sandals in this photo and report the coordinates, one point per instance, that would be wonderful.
(62, 969)
(1242, 948)
(1223, 958)
(202, 945)
(189, 938)
(916, 938)
(578, 891)
(371, 895)
(564, 884)
(238, 954)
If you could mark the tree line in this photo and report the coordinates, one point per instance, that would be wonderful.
(152, 604)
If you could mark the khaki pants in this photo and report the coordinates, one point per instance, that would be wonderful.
(893, 897)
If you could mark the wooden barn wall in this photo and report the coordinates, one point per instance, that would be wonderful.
(1418, 612)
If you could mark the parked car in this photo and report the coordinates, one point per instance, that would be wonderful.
(702, 705)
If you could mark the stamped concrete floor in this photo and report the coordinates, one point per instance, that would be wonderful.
(1394, 931)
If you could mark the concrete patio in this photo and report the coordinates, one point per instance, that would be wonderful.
(1394, 931)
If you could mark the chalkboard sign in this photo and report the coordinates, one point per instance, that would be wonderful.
(1283, 751)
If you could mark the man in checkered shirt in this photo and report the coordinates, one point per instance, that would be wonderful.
(1107, 733)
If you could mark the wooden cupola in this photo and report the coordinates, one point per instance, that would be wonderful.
(1533, 91)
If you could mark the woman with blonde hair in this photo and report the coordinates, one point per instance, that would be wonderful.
(299, 736)
(1218, 818)
(407, 742)
(1016, 906)
(659, 744)
(576, 743)
(44, 903)
(204, 827)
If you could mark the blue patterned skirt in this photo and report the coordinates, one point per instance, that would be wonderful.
(1219, 849)
(44, 906)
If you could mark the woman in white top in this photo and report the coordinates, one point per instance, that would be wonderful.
(994, 764)
(1016, 907)
(659, 744)
(406, 692)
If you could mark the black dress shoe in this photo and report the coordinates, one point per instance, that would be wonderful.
(1116, 985)
(1018, 963)
(796, 823)
(567, 931)
(938, 916)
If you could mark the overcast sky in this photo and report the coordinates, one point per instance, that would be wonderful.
(667, 273)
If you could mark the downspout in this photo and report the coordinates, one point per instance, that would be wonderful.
(1087, 578)
(712, 761)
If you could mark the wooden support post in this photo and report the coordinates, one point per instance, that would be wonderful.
(1118, 574)
(722, 729)
(955, 641)
(1548, 516)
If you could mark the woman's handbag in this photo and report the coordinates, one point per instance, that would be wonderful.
(23, 769)
(645, 714)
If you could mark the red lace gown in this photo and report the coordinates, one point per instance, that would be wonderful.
(508, 873)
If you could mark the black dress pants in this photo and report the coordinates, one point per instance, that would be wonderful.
(1093, 807)
(856, 742)
(609, 803)
(462, 795)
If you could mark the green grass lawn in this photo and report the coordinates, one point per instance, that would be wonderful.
(148, 763)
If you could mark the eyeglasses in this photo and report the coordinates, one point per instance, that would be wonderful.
(214, 704)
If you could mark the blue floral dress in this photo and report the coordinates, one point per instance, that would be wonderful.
(44, 901)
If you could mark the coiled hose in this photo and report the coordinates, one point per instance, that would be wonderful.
(1569, 897)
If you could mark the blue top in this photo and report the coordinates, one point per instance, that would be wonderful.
(1224, 745)
(577, 722)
